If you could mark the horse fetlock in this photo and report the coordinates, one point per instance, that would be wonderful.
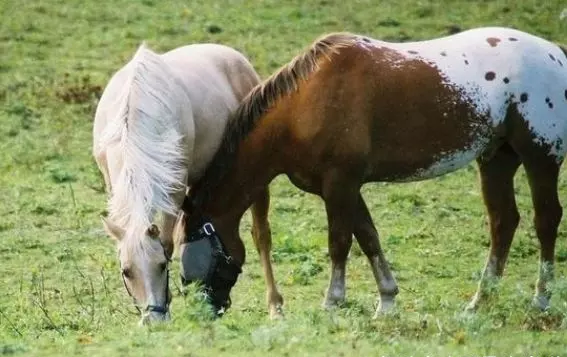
(546, 274)
(274, 298)
(489, 282)
(275, 304)
(276, 311)
(487, 287)
(389, 288)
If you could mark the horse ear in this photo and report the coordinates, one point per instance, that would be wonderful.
(153, 231)
(112, 229)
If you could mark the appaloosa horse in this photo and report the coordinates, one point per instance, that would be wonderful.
(157, 126)
(352, 110)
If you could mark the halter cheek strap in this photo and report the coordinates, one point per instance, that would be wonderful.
(162, 309)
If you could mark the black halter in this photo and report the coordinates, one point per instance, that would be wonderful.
(224, 270)
(161, 309)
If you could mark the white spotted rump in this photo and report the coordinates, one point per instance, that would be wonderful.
(494, 68)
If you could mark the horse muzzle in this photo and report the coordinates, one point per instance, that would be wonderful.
(205, 260)
(151, 316)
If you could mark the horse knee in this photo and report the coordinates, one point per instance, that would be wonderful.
(509, 220)
(514, 218)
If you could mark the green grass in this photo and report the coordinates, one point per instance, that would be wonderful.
(60, 291)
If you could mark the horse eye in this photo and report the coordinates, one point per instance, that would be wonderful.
(127, 273)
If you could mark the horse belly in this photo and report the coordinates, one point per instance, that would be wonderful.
(407, 169)
(446, 163)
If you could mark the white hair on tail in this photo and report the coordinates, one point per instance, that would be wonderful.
(150, 140)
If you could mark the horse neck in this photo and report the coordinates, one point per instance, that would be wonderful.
(256, 165)
(254, 168)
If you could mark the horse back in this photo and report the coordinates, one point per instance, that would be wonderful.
(216, 79)
(418, 110)
(221, 66)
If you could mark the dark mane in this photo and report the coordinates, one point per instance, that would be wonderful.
(260, 99)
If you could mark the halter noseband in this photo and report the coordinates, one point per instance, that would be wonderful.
(161, 309)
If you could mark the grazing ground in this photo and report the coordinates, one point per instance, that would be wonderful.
(60, 290)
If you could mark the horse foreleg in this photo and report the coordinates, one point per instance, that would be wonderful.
(263, 240)
(340, 195)
(497, 184)
(367, 237)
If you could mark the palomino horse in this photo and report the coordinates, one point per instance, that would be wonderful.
(352, 110)
(158, 124)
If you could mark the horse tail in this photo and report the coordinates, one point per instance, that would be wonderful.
(149, 131)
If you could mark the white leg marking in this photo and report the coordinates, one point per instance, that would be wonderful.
(486, 284)
(490, 269)
(542, 294)
(336, 289)
(387, 286)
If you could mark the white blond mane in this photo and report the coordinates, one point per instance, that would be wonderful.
(148, 133)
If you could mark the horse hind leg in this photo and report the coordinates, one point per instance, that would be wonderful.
(262, 236)
(542, 171)
(497, 184)
(367, 237)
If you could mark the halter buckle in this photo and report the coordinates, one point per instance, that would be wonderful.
(208, 228)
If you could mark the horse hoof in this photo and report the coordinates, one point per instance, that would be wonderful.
(385, 306)
(540, 302)
(331, 304)
(328, 305)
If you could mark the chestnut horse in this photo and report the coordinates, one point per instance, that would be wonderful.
(352, 110)
(158, 124)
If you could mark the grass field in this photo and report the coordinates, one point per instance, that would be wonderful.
(60, 290)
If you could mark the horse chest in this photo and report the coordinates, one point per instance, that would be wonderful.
(305, 182)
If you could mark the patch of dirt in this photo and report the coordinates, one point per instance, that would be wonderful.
(78, 91)
(542, 321)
